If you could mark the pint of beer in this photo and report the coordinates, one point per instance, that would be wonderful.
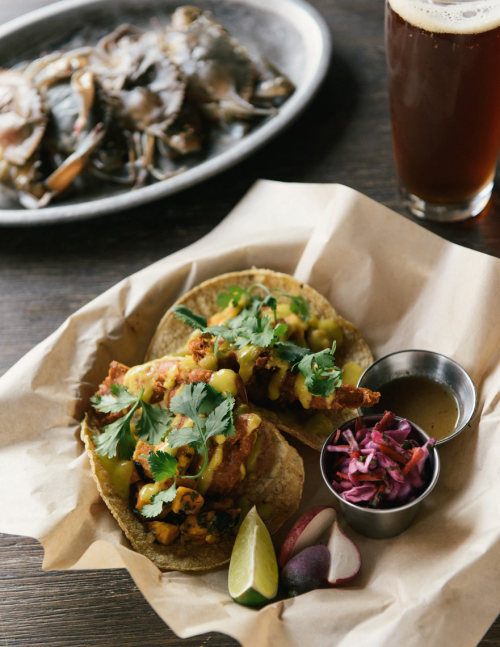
(443, 59)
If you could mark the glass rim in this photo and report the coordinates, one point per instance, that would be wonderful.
(464, 16)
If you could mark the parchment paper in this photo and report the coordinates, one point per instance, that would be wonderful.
(437, 583)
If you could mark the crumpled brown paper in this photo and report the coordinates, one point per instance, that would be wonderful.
(437, 583)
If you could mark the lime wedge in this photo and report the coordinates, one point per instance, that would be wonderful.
(253, 570)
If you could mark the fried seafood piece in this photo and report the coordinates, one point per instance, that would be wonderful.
(160, 380)
(222, 77)
(217, 67)
(147, 88)
(271, 381)
(138, 106)
(227, 456)
(274, 322)
(22, 127)
(272, 384)
(22, 121)
(184, 456)
(200, 346)
(47, 105)
(268, 378)
(228, 460)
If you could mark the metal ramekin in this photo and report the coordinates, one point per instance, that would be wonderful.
(380, 522)
(431, 365)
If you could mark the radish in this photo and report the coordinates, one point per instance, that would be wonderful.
(345, 558)
(307, 570)
(306, 531)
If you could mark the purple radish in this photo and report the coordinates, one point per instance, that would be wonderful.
(307, 570)
(306, 531)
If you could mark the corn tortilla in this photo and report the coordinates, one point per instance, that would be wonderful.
(275, 488)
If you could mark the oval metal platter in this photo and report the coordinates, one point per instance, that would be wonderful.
(289, 33)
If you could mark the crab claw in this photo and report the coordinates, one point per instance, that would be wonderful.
(73, 165)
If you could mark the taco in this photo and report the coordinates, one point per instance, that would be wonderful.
(179, 458)
(297, 357)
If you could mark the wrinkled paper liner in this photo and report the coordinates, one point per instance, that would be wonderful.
(403, 287)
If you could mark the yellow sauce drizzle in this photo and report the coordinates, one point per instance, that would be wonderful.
(302, 391)
(246, 360)
(224, 381)
(206, 478)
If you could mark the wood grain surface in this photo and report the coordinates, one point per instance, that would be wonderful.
(48, 272)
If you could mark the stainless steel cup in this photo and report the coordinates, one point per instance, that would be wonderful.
(430, 365)
(376, 522)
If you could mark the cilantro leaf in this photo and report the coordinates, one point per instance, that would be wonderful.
(195, 400)
(221, 331)
(162, 465)
(210, 412)
(322, 377)
(153, 424)
(271, 302)
(189, 318)
(263, 336)
(184, 436)
(220, 420)
(218, 332)
(117, 433)
(259, 331)
(117, 437)
(246, 315)
(118, 400)
(300, 307)
(231, 294)
(279, 331)
(267, 335)
(155, 508)
(291, 353)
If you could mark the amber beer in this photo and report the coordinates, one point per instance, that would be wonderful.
(443, 63)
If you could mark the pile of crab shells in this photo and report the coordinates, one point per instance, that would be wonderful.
(131, 109)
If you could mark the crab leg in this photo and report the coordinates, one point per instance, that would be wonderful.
(73, 165)
(82, 83)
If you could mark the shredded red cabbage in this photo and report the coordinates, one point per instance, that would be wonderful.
(381, 466)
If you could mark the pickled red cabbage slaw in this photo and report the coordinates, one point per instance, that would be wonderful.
(379, 466)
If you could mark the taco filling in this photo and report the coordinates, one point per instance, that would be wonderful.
(284, 354)
(179, 457)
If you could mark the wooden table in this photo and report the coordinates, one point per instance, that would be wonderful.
(48, 272)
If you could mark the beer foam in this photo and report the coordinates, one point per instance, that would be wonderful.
(459, 17)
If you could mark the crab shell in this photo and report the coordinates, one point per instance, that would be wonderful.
(22, 122)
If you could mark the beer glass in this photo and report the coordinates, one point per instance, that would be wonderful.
(443, 61)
